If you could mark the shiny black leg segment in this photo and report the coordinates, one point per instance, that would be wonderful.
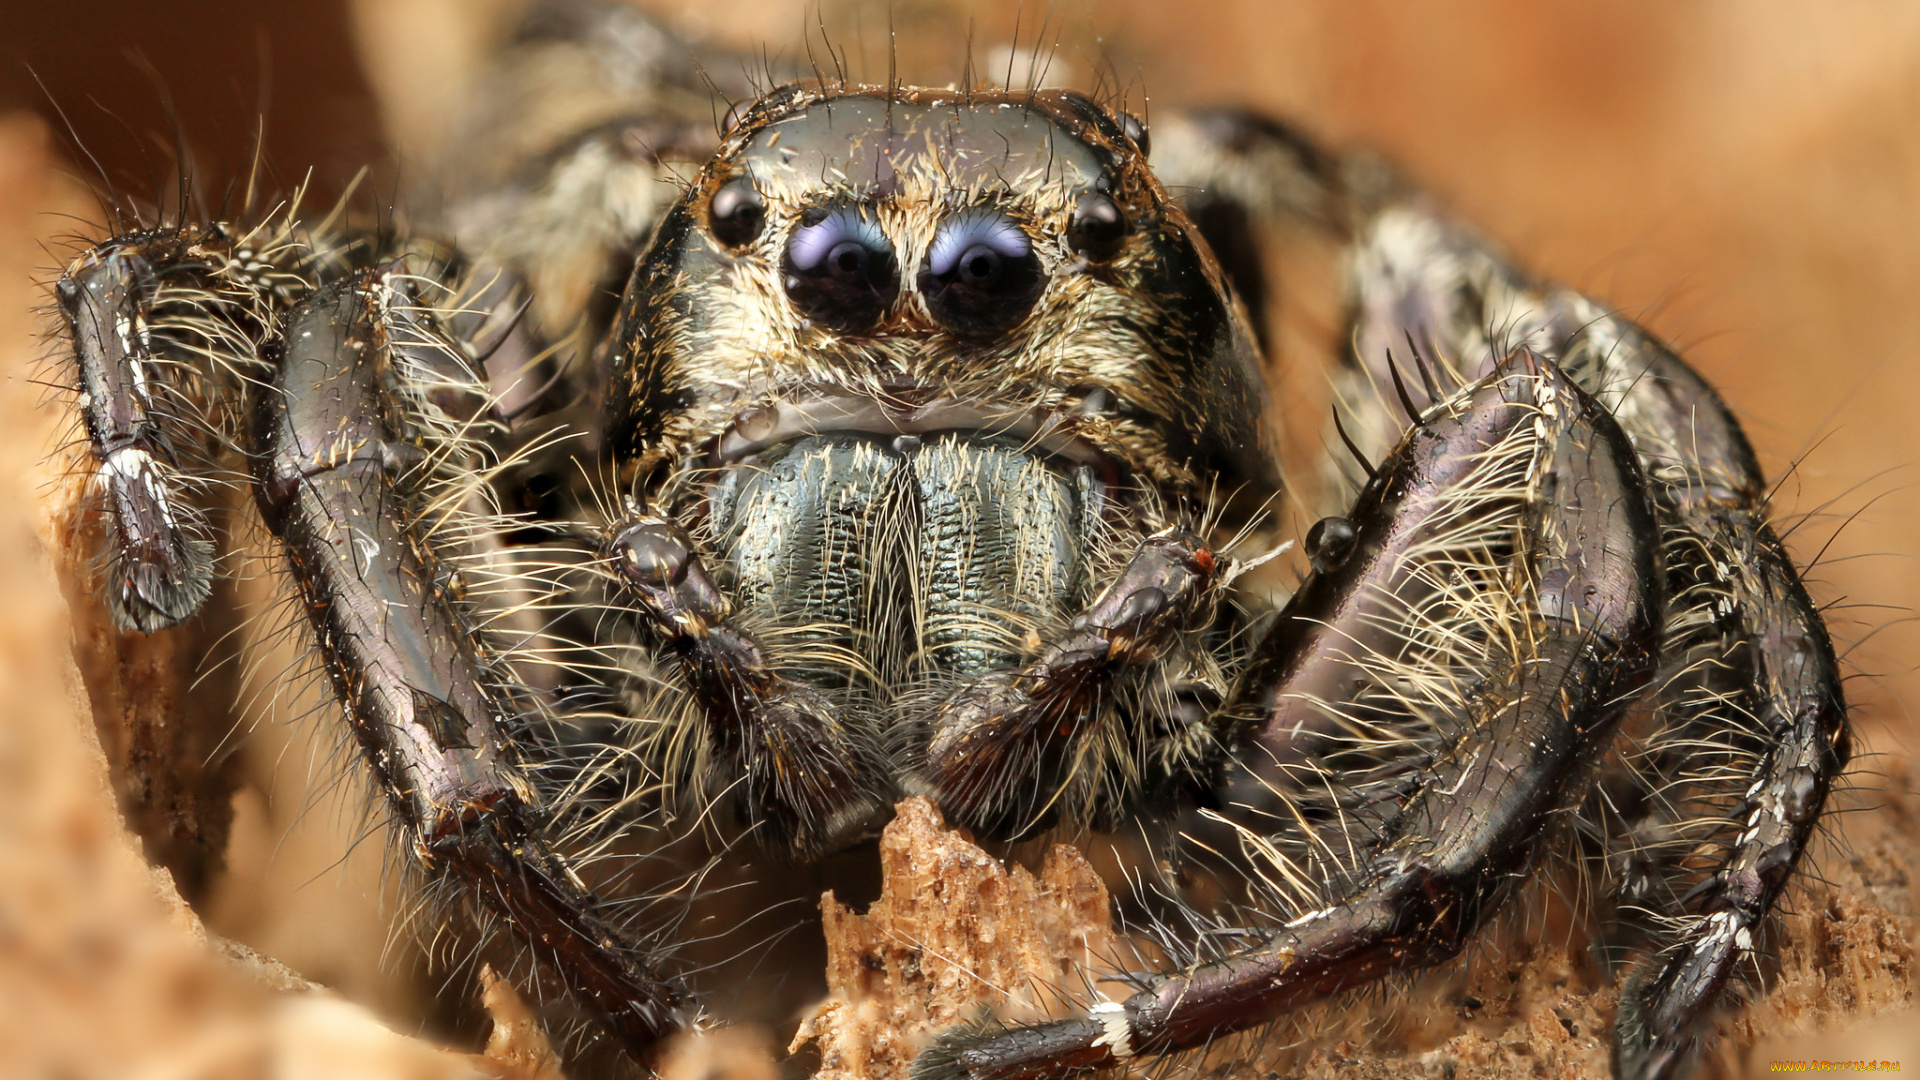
(1751, 655)
(1773, 669)
(1749, 665)
(1005, 747)
(334, 463)
(1573, 642)
(803, 775)
(145, 409)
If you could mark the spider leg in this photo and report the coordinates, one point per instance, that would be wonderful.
(1757, 659)
(805, 775)
(1747, 662)
(569, 146)
(1006, 745)
(1526, 491)
(337, 467)
(146, 408)
(1749, 658)
(1753, 661)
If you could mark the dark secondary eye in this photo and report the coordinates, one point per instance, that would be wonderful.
(981, 276)
(839, 270)
(736, 213)
(1098, 229)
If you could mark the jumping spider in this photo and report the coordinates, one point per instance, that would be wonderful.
(922, 454)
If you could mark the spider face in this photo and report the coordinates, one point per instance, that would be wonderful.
(921, 364)
(996, 246)
(936, 437)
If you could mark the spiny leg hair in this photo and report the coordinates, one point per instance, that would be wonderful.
(1748, 724)
(1749, 673)
(1557, 631)
(344, 430)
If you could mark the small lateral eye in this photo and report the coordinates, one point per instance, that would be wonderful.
(737, 213)
(839, 270)
(981, 276)
(1098, 228)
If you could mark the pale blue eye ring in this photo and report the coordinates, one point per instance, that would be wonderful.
(839, 269)
(975, 229)
(981, 277)
(813, 244)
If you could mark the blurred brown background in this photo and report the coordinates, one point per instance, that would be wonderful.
(1742, 174)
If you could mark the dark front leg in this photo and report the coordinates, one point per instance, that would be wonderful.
(1751, 673)
(1557, 631)
(338, 483)
(146, 413)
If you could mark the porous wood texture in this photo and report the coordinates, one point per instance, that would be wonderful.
(955, 930)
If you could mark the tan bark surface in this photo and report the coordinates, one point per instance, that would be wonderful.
(954, 929)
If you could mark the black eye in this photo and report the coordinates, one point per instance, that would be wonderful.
(981, 276)
(839, 270)
(1098, 229)
(737, 213)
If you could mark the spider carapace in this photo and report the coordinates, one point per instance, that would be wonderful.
(923, 454)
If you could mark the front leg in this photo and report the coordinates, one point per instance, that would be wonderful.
(1749, 674)
(1515, 519)
(339, 471)
(1749, 670)
(146, 403)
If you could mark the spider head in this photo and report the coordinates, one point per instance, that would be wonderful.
(999, 246)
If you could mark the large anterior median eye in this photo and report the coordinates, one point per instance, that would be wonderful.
(839, 269)
(981, 276)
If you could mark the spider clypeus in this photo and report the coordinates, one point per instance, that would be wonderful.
(922, 454)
